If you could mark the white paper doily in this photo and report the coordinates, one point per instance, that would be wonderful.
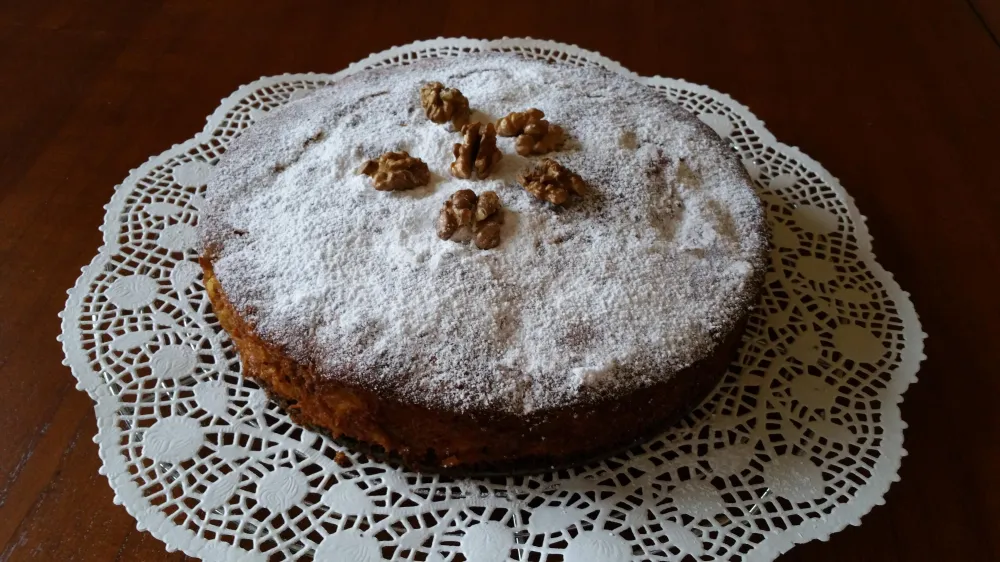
(801, 439)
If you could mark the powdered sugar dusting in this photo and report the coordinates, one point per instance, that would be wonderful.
(617, 291)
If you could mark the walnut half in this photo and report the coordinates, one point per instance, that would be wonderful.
(483, 215)
(551, 181)
(477, 152)
(534, 134)
(442, 105)
(395, 171)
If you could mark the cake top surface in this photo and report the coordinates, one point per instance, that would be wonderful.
(609, 293)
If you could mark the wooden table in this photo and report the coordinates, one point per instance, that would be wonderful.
(898, 98)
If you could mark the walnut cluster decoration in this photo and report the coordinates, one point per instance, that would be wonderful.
(534, 134)
(442, 105)
(396, 171)
(477, 152)
(551, 181)
(481, 215)
(465, 215)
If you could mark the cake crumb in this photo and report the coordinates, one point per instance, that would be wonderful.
(342, 460)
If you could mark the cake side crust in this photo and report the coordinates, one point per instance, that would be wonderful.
(433, 440)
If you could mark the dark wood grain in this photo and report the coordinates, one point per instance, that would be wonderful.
(989, 12)
(897, 98)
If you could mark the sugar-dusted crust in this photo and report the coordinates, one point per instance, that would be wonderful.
(590, 325)
(613, 292)
(439, 440)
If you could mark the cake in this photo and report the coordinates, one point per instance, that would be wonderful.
(590, 325)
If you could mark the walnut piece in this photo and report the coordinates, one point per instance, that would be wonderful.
(515, 123)
(528, 144)
(486, 233)
(551, 181)
(465, 152)
(487, 204)
(395, 171)
(488, 154)
(442, 105)
(447, 223)
(482, 215)
(464, 206)
(534, 134)
(477, 152)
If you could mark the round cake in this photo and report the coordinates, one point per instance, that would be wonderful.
(590, 325)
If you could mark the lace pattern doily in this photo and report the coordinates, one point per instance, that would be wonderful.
(801, 439)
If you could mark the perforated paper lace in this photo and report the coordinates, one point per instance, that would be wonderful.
(801, 439)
